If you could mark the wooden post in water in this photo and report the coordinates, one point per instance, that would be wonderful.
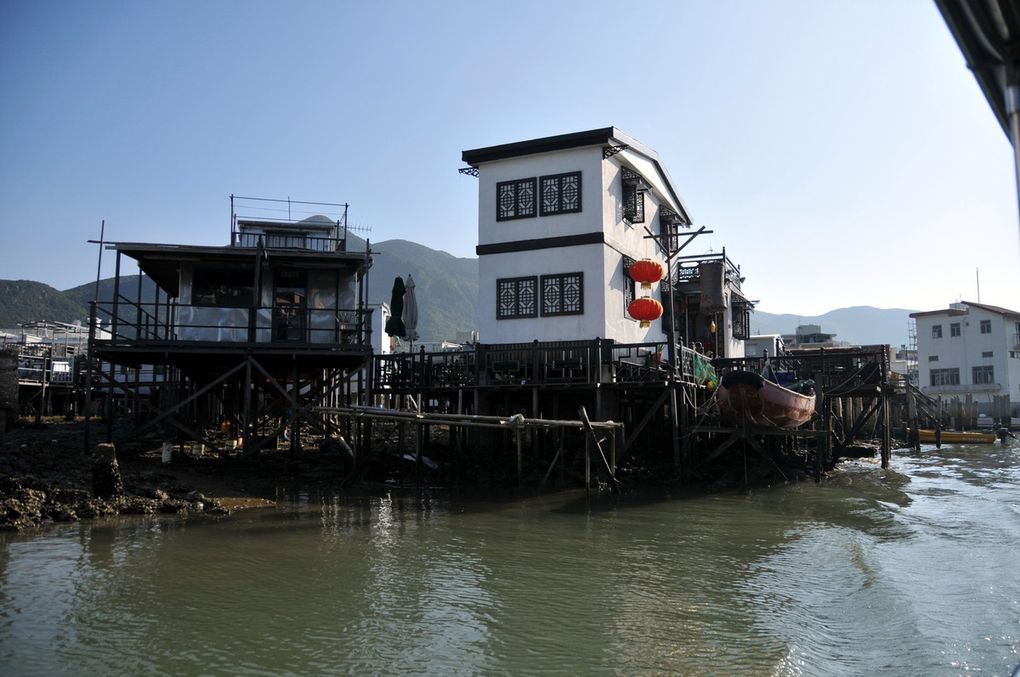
(587, 465)
(520, 459)
(674, 425)
(886, 432)
(914, 437)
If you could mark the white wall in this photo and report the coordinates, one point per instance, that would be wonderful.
(965, 352)
(602, 265)
(586, 259)
(589, 219)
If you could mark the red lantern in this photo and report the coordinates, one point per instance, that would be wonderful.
(645, 309)
(647, 272)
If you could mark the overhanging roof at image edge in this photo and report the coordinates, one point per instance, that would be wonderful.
(988, 33)
(591, 137)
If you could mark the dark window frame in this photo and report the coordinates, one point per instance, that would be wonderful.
(983, 374)
(633, 196)
(222, 286)
(559, 180)
(629, 286)
(516, 184)
(561, 306)
(936, 331)
(986, 326)
(954, 329)
(517, 283)
(945, 377)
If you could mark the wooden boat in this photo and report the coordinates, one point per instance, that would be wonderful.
(956, 437)
(746, 396)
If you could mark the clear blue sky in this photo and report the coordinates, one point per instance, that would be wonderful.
(841, 151)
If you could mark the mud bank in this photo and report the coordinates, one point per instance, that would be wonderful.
(46, 476)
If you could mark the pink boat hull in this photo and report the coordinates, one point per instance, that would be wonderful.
(744, 396)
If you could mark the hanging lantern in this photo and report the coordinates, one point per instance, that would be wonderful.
(647, 272)
(645, 309)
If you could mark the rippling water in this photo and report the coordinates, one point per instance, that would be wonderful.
(906, 571)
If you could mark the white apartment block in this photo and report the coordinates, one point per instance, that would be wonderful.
(970, 349)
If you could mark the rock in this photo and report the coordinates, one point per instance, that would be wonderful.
(105, 450)
(106, 479)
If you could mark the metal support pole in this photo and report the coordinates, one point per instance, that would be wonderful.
(1013, 113)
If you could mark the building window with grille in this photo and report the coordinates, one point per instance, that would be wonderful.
(560, 194)
(945, 377)
(983, 375)
(633, 197)
(936, 331)
(988, 353)
(515, 298)
(629, 285)
(933, 358)
(515, 199)
(954, 329)
(986, 326)
(563, 294)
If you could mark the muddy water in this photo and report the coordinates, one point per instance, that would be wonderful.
(908, 571)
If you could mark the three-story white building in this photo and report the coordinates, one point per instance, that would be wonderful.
(970, 348)
(559, 220)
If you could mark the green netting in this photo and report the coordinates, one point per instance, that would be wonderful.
(704, 371)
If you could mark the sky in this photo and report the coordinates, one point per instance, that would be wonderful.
(841, 152)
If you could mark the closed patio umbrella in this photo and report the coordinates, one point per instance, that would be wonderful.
(410, 314)
(395, 324)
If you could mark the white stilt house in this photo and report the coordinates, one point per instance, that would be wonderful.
(560, 220)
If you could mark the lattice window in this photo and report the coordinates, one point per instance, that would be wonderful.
(669, 228)
(633, 196)
(515, 199)
(563, 294)
(515, 298)
(561, 193)
(945, 377)
(986, 326)
(741, 319)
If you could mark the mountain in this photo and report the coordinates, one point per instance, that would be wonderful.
(128, 289)
(27, 301)
(858, 325)
(446, 287)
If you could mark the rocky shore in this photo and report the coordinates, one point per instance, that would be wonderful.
(46, 476)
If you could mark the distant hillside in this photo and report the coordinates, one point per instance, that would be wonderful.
(859, 325)
(128, 289)
(27, 301)
(446, 287)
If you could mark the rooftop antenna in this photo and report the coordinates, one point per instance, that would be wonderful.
(977, 275)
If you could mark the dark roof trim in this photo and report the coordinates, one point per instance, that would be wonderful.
(954, 312)
(287, 225)
(597, 237)
(592, 137)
